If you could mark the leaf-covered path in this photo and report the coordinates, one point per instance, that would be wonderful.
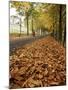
(41, 63)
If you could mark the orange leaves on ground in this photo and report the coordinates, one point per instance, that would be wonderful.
(39, 64)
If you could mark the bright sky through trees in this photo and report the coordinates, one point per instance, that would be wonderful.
(13, 11)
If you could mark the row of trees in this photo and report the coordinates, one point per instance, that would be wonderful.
(43, 16)
(59, 31)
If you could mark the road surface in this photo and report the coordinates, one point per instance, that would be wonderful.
(20, 42)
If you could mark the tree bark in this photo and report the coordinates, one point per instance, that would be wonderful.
(27, 24)
(32, 25)
(20, 28)
(64, 42)
(60, 23)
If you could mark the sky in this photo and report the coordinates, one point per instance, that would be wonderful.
(16, 27)
(13, 11)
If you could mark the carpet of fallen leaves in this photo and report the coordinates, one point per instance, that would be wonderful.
(39, 64)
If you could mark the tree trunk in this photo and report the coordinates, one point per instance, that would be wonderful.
(32, 25)
(56, 33)
(60, 23)
(64, 42)
(27, 24)
(53, 30)
(20, 28)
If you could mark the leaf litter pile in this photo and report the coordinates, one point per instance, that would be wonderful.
(39, 64)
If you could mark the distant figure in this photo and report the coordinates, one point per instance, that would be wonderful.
(33, 33)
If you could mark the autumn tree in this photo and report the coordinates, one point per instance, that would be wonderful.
(23, 9)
